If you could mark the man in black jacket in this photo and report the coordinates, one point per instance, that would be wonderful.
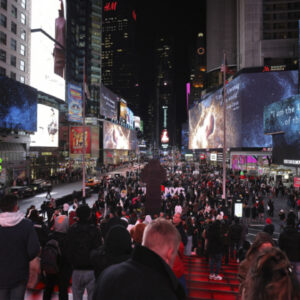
(19, 245)
(148, 274)
(82, 238)
(289, 242)
(235, 235)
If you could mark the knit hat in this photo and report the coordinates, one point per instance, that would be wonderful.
(268, 221)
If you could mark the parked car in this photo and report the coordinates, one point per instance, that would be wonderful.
(22, 191)
(40, 185)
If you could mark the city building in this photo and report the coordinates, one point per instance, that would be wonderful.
(119, 55)
(15, 39)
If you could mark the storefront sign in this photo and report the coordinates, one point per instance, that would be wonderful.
(291, 162)
(213, 156)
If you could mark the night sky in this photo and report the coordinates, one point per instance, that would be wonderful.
(183, 20)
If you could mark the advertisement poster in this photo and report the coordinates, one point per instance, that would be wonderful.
(108, 103)
(123, 111)
(76, 140)
(75, 103)
(47, 127)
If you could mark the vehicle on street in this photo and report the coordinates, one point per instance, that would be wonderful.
(93, 183)
(22, 191)
(41, 185)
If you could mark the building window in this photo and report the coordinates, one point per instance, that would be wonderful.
(23, 19)
(23, 35)
(2, 72)
(4, 4)
(14, 11)
(13, 44)
(23, 3)
(3, 20)
(13, 27)
(13, 60)
(2, 55)
(13, 75)
(22, 79)
(22, 65)
(22, 50)
(2, 38)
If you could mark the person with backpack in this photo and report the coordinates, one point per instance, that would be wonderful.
(54, 263)
(82, 238)
(19, 245)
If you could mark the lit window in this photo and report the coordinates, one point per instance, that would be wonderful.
(23, 3)
(23, 18)
(23, 35)
(22, 65)
(22, 50)
(22, 79)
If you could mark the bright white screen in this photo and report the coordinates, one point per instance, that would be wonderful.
(47, 127)
(238, 210)
(42, 76)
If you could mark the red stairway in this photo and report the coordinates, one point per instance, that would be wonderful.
(201, 287)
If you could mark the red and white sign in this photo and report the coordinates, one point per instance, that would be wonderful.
(297, 182)
(76, 140)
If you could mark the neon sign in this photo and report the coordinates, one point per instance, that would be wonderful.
(164, 137)
(110, 6)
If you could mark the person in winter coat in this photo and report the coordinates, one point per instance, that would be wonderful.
(235, 236)
(117, 248)
(148, 273)
(19, 245)
(269, 227)
(81, 239)
(289, 242)
(214, 249)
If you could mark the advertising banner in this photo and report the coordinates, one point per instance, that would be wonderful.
(123, 111)
(296, 182)
(76, 140)
(47, 128)
(74, 103)
(108, 103)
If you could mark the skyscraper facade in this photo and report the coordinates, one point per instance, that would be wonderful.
(119, 58)
(15, 39)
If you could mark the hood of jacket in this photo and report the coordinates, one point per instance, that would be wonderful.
(9, 219)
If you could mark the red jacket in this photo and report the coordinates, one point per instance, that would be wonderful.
(178, 267)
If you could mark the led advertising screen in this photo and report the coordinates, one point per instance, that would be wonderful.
(137, 122)
(130, 117)
(75, 103)
(284, 117)
(246, 97)
(123, 111)
(118, 137)
(76, 140)
(47, 127)
(42, 64)
(18, 105)
(108, 103)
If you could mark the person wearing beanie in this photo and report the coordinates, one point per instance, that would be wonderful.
(269, 227)
(82, 238)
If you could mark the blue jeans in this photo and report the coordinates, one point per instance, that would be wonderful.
(189, 245)
(81, 280)
(15, 293)
(215, 259)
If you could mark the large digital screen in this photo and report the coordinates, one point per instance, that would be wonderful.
(123, 111)
(18, 105)
(47, 127)
(246, 97)
(130, 117)
(118, 137)
(76, 140)
(42, 76)
(74, 103)
(108, 103)
(283, 118)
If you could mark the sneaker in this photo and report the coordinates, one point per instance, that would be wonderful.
(218, 277)
(211, 276)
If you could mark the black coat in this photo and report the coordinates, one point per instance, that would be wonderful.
(144, 276)
(214, 239)
(289, 242)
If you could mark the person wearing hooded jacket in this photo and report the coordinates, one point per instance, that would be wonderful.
(19, 245)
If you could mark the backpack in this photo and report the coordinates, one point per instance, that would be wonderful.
(51, 257)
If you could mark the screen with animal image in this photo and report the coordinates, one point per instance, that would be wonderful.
(18, 105)
(246, 97)
(118, 137)
(47, 127)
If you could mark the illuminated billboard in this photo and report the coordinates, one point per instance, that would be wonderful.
(108, 103)
(118, 137)
(76, 140)
(47, 127)
(18, 105)
(74, 103)
(246, 97)
(123, 110)
(42, 76)
(130, 117)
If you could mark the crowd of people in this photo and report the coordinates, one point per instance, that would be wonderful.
(108, 246)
